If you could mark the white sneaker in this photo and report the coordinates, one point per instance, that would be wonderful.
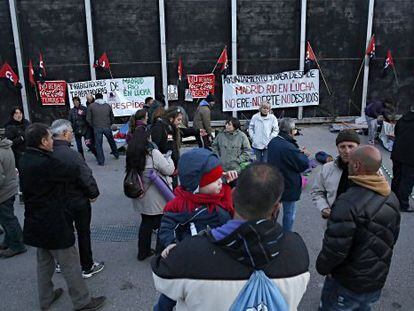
(96, 268)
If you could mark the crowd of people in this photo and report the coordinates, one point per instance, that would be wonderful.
(214, 208)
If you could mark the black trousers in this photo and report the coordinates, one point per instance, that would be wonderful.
(402, 183)
(148, 223)
(82, 219)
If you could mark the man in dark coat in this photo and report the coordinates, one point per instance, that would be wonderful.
(47, 221)
(80, 193)
(402, 157)
(362, 230)
(284, 153)
(77, 116)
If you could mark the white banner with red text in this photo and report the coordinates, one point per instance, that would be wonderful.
(281, 90)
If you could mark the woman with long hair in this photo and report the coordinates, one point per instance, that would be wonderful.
(142, 157)
(15, 129)
(138, 119)
(165, 132)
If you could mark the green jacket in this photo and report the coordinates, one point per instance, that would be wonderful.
(233, 149)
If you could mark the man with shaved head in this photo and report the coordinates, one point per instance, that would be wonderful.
(359, 240)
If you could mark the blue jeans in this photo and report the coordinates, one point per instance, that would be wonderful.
(13, 235)
(99, 132)
(165, 304)
(261, 155)
(289, 213)
(335, 297)
(372, 127)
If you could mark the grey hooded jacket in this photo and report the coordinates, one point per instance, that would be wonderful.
(8, 173)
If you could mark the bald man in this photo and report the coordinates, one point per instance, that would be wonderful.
(360, 237)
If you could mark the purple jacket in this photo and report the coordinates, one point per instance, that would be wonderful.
(374, 109)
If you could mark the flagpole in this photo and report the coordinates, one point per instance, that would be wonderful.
(110, 72)
(323, 77)
(359, 73)
(395, 75)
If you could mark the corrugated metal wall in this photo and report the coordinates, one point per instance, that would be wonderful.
(268, 36)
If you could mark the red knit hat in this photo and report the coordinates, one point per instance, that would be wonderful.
(211, 176)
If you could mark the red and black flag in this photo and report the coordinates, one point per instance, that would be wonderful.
(6, 72)
(31, 74)
(310, 58)
(102, 62)
(180, 69)
(371, 48)
(222, 62)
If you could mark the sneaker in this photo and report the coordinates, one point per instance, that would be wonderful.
(95, 304)
(10, 253)
(96, 268)
(57, 268)
(56, 295)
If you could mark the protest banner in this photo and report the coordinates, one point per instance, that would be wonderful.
(125, 95)
(282, 90)
(201, 85)
(52, 93)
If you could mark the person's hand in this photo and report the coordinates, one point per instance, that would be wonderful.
(93, 200)
(326, 212)
(167, 250)
(305, 151)
(230, 176)
(203, 132)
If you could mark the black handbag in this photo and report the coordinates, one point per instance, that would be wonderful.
(133, 185)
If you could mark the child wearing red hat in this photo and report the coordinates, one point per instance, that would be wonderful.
(202, 200)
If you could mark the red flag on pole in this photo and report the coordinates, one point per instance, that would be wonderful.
(7, 72)
(31, 74)
(180, 69)
(42, 65)
(310, 58)
(389, 61)
(102, 62)
(371, 48)
(223, 60)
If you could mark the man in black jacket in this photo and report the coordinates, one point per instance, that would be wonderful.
(47, 222)
(207, 271)
(77, 116)
(80, 193)
(402, 157)
(284, 153)
(359, 241)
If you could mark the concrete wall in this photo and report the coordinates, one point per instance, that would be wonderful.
(268, 37)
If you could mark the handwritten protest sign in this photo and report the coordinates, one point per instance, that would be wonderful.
(201, 85)
(52, 93)
(282, 90)
(125, 95)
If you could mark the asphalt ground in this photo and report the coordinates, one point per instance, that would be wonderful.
(128, 284)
